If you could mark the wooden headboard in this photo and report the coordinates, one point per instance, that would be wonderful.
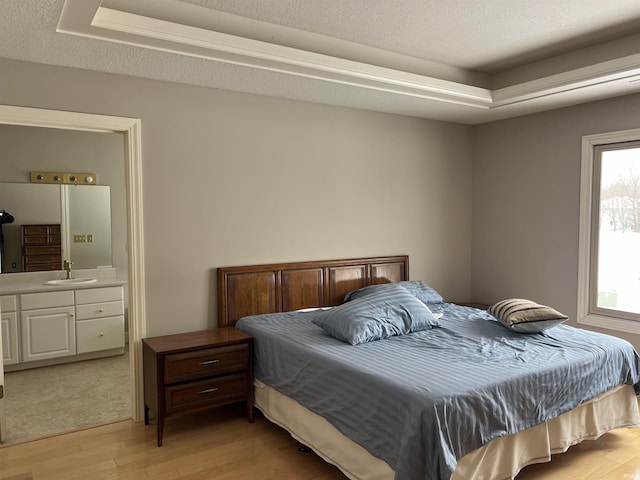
(281, 287)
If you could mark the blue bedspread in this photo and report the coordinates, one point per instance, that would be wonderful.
(424, 400)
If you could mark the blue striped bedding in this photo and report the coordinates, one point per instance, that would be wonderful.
(422, 401)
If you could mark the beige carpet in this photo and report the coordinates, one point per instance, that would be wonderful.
(46, 401)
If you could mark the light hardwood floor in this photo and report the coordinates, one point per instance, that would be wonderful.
(222, 445)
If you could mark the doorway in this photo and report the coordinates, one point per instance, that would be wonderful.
(24, 116)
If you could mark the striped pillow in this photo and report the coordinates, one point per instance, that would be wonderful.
(525, 316)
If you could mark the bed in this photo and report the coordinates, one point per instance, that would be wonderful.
(475, 422)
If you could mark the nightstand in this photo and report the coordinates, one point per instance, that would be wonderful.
(480, 306)
(195, 370)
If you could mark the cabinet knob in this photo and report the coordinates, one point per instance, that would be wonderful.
(101, 310)
(101, 334)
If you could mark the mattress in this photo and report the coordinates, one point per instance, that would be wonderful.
(500, 459)
(423, 401)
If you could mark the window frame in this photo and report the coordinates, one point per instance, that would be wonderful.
(588, 312)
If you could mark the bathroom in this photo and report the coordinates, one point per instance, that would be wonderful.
(85, 219)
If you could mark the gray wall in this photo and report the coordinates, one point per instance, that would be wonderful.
(526, 202)
(233, 179)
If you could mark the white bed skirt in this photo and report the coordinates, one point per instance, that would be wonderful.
(500, 459)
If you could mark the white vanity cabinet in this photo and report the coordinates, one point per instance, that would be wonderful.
(60, 326)
(9, 325)
(47, 325)
(99, 319)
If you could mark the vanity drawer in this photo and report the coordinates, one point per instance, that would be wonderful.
(99, 334)
(99, 310)
(97, 295)
(181, 367)
(8, 303)
(211, 392)
(32, 301)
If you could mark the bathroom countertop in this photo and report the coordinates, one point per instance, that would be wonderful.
(41, 287)
(16, 283)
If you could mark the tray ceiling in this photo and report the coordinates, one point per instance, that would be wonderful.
(466, 61)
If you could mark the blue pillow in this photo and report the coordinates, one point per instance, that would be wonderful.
(417, 288)
(422, 291)
(391, 312)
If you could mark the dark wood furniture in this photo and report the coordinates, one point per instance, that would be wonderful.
(281, 287)
(41, 247)
(479, 306)
(194, 370)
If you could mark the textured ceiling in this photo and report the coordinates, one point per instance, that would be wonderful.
(485, 35)
(467, 61)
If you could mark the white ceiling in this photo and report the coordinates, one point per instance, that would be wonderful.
(467, 61)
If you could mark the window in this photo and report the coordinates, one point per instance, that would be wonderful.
(609, 269)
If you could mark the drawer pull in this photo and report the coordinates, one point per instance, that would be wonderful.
(209, 362)
(208, 390)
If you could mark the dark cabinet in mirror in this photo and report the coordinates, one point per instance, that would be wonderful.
(53, 223)
(41, 247)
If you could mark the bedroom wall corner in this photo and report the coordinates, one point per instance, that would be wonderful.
(526, 202)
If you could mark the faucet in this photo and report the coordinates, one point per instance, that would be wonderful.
(67, 267)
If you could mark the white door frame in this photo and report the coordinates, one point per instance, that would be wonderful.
(131, 129)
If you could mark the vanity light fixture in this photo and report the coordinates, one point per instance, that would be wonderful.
(64, 178)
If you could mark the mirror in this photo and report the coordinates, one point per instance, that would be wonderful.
(88, 221)
(28, 148)
(82, 211)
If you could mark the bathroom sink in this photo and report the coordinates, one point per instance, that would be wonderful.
(71, 281)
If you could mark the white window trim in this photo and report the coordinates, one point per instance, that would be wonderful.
(585, 317)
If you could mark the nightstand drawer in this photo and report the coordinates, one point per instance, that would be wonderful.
(181, 367)
(211, 392)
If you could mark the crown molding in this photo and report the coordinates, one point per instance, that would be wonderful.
(173, 27)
